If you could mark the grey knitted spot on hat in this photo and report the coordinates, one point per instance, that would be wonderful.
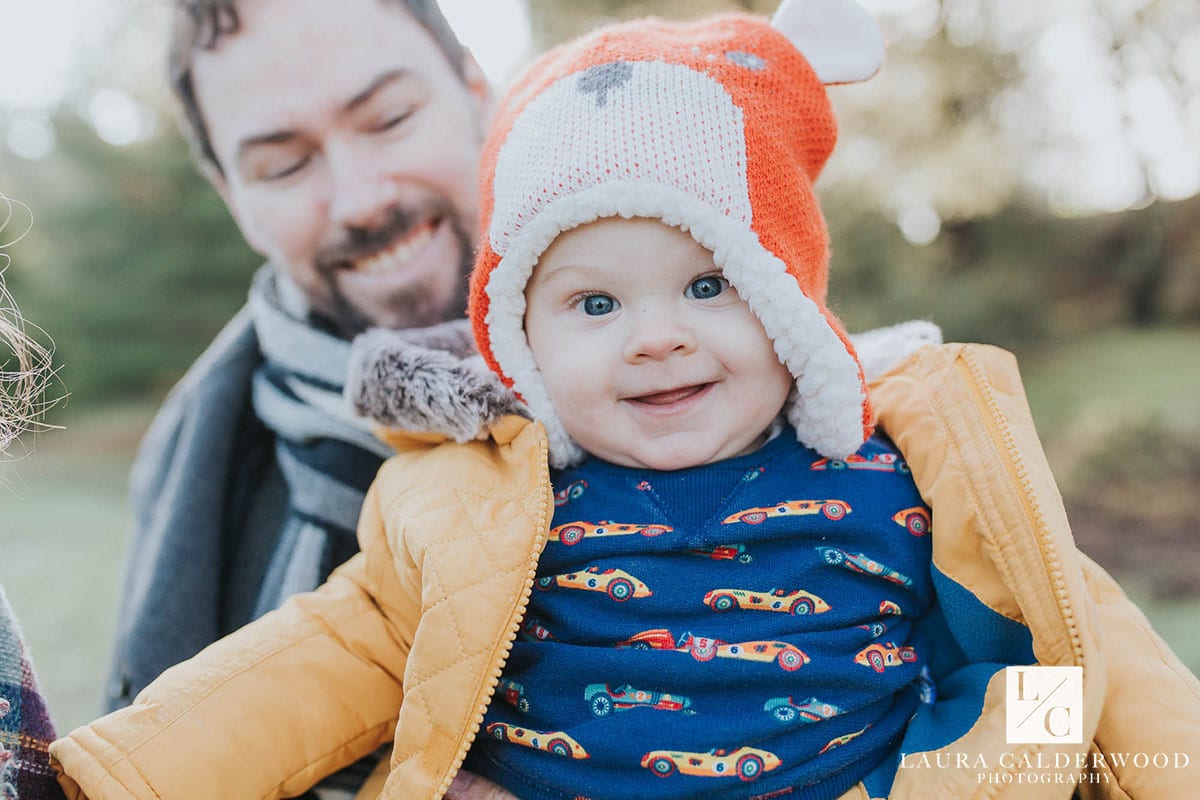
(603, 77)
(747, 60)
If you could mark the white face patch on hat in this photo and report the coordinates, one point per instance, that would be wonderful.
(627, 121)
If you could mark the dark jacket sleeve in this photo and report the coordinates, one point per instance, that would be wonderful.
(171, 603)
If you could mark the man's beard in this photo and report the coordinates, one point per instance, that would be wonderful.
(420, 306)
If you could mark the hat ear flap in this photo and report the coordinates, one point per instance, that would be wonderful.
(839, 39)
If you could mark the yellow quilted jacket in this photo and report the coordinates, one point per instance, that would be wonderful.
(405, 643)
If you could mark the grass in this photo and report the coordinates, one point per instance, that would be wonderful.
(65, 520)
(63, 536)
(1117, 372)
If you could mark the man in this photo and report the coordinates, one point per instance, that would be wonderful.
(344, 137)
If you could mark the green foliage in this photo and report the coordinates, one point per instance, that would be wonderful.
(132, 264)
(1120, 419)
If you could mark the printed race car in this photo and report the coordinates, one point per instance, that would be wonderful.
(572, 491)
(726, 552)
(616, 583)
(653, 639)
(532, 629)
(832, 509)
(556, 742)
(889, 608)
(703, 648)
(514, 694)
(797, 601)
(876, 629)
(785, 709)
(746, 763)
(880, 462)
(857, 562)
(881, 656)
(840, 740)
(915, 520)
(575, 532)
(603, 700)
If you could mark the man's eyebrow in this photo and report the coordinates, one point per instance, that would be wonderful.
(282, 137)
(391, 76)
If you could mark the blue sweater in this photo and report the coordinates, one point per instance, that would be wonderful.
(731, 630)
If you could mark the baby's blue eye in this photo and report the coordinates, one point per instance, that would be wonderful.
(598, 305)
(707, 287)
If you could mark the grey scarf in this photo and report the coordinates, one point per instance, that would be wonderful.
(327, 455)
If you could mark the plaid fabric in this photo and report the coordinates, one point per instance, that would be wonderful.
(25, 727)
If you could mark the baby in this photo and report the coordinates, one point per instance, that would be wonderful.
(695, 510)
(698, 572)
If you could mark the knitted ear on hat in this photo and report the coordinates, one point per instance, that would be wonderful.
(718, 127)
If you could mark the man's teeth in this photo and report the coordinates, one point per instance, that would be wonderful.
(397, 256)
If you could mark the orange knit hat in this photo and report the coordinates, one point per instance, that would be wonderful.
(718, 127)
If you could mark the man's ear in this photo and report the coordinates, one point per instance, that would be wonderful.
(218, 181)
(479, 88)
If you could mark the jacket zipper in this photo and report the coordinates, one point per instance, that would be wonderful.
(539, 543)
(1002, 438)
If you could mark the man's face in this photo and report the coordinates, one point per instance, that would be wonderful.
(349, 148)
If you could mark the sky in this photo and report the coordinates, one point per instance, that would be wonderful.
(46, 45)
(41, 41)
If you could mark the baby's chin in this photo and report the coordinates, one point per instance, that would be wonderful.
(667, 455)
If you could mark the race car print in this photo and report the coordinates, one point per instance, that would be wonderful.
(726, 552)
(881, 656)
(880, 462)
(513, 694)
(796, 601)
(618, 584)
(840, 740)
(603, 700)
(876, 629)
(556, 742)
(532, 630)
(785, 709)
(889, 607)
(653, 639)
(572, 491)
(575, 532)
(702, 648)
(857, 562)
(915, 520)
(789, 657)
(747, 763)
(832, 509)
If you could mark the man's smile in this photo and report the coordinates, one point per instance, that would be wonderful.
(399, 254)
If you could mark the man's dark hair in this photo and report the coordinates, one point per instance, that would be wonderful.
(202, 24)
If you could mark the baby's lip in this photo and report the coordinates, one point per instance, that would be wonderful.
(669, 396)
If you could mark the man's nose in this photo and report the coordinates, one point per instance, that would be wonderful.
(656, 335)
(362, 193)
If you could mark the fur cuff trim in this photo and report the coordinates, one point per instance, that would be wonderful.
(881, 349)
(427, 381)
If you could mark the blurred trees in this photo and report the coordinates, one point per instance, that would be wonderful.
(132, 262)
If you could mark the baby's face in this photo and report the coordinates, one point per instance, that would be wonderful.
(650, 358)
